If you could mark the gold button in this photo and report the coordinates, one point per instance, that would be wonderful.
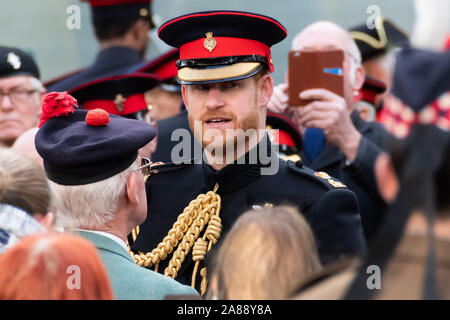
(143, 12)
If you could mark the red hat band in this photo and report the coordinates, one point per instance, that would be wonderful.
(119, 107)
(224, 47)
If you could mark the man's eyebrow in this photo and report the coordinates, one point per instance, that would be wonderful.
(20, 85)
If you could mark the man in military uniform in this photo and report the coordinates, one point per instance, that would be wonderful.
(166, 106)
(164, 101)
(121, 95)
(285, 135)
(376, 46)
(224, 70)
(121, 28)
(366, 96)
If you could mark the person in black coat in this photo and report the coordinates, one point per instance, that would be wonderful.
(231, 97)
(121, 28)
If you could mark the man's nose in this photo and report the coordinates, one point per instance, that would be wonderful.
(215, 99)
(6, 103)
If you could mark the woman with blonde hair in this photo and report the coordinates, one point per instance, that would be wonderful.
(266, 255)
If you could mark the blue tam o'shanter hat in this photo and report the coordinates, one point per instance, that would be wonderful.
(80, 147)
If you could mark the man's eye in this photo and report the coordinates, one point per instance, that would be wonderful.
(201, 87)
(231, 85)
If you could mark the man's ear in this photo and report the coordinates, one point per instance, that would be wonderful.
(139, 29)
(131, 190)
(45, 220)
(265, 90)
(360, 77)
(387, 181)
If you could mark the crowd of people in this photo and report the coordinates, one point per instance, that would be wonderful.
(192, 175)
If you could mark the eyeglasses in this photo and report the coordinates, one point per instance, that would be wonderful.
(145, 167)
(17, 96)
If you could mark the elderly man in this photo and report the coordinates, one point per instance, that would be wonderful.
(336, 139)
(226, 84)
(411, 251)
(20, 94)
(97, 178)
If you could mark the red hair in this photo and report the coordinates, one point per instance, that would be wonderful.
(53, 267)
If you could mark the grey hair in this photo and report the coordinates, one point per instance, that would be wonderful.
(355, 60)
(37, 85)
(89, 205)
(352, 48)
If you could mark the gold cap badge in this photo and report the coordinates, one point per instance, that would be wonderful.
(143, 12)
(209, 43)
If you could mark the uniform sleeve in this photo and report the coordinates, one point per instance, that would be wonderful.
(336, 222)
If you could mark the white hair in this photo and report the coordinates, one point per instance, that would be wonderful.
(351, 50)
(89, 205)
(355, 60)
(38, 86)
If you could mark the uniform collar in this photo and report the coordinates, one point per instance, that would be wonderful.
(107, 235)
(241, 172)
(124, 55)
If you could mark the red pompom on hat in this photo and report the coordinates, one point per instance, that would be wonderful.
(97, 117)
(57, 104)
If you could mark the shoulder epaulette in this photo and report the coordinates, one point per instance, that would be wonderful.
(320, 176)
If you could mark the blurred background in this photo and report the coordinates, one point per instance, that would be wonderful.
(40, 27)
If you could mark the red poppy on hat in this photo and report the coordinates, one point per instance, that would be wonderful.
(57, 104)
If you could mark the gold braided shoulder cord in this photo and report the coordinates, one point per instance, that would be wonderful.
(202, 211)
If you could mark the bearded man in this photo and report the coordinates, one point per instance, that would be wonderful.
(224, 70)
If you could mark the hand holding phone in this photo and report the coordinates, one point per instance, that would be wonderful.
(312, 70)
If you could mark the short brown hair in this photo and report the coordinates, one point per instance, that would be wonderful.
(23, 183)
(264, 71)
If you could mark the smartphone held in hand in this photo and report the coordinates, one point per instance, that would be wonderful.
(313, 70)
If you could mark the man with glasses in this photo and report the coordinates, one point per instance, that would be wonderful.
(98, 186)
(122, 30)
(20, 94)
(336, 140)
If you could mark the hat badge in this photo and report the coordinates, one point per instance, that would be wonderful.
(209, 43)
(119, 101)
(143, 12)
(14, 60)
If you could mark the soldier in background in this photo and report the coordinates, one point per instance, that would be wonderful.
(376, 46)
(365, 98)
(121, 28)
(164, 101)
(121, 95)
